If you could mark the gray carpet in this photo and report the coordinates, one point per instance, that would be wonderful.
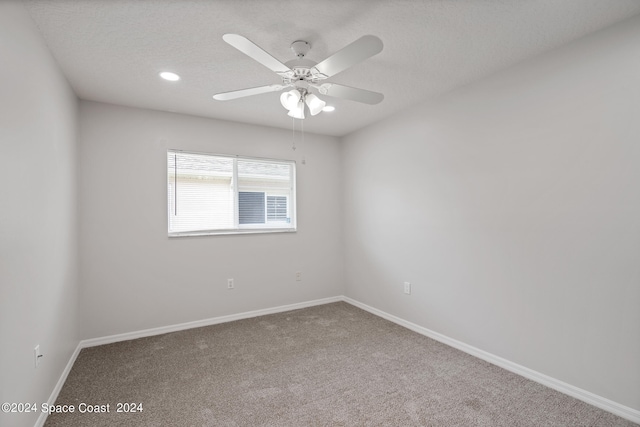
(330, 365)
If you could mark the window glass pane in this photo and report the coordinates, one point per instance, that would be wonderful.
(277, 209)
(267, 175)
(251, 207)
(272, 179)
(200, 195)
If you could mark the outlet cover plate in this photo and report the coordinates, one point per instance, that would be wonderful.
(407, 288)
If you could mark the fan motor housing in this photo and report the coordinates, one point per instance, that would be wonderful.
(303, 69)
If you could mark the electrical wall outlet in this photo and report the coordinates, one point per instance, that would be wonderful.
(230, 284)
(407, 288)
(37, 355)
(298, 276)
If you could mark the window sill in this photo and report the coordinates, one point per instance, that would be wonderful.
(231, 232)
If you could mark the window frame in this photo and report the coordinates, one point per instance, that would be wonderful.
(236, 188)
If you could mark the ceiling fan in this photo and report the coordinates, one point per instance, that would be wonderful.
(303, 74)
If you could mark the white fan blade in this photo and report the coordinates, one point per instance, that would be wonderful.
(252, 50)
(225, 96)
(351, 93)
(361, 49)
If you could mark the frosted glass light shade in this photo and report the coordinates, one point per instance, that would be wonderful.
(290, 100)
(298, 111)
(315, 104)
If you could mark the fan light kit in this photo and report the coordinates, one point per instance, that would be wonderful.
(302, 75)
(295, 100)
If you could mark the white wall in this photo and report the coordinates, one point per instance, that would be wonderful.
(38, 238)
(513, 207)
(134, 277)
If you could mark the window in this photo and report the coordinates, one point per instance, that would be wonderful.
(212, 194)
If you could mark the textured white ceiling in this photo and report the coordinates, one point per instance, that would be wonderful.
(112, 50)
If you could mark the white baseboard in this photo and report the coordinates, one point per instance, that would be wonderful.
(56, 390)
(586, 396)
(205, 322)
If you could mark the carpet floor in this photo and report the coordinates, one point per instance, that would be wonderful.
(329, 365)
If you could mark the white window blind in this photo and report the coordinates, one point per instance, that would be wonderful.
(214, 194)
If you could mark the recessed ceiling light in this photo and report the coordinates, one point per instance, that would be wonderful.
(328, 108)
(172, 77)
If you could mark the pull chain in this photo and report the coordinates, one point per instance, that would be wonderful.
(302, 130)
(293, 135)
